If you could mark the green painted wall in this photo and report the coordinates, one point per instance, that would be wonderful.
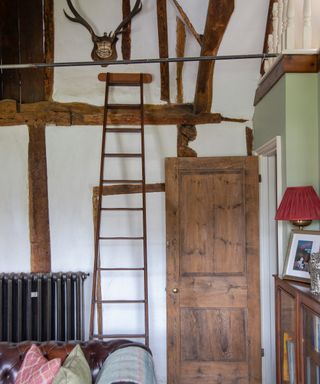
(269, 119)
(302, 130)
(291, 110)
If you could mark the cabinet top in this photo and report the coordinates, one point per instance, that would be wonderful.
(302, 288)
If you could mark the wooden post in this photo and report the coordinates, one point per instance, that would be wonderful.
(218, 16)
(49, 47)
(126, 35)
(180, 47)
(163, 48)
(38, 200)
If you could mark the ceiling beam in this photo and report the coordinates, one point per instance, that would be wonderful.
(65, 114)
(218, 16)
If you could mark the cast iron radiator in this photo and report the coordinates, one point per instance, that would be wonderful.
(41, 306)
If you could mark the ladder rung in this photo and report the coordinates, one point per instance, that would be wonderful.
(121, 238)
(127, 78)
(123, 130)
(121, 335)
(120, 301)
(122, 181)
(121, 209)
(118, 84)
(123, 106)
(122, 155)
(120, 269)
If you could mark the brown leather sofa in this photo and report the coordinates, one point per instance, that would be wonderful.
(11, 355)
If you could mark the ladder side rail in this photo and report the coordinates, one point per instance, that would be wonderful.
(145, 252)
(97, 234)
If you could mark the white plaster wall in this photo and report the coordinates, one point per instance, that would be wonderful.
(14, 227)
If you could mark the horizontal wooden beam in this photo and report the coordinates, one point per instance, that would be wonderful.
(125, 189)
(65, 114)
(127, 78)
(287, 64)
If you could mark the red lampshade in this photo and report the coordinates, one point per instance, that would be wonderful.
(299, 203)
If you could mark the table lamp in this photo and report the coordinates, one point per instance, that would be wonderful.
(300, 205)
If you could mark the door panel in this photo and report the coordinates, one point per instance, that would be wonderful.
(213, 270)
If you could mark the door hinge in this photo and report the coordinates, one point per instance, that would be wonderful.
(260, 178)
(262, 352)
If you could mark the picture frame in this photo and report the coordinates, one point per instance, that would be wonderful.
(301, 245)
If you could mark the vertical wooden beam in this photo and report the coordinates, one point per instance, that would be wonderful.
(218, 16)
(38, 200)
(249, 140)
(9, 52)
(48, 47)
(31, 50)
(180, 48)
(126, 35)
(163, 48)
(186, 133)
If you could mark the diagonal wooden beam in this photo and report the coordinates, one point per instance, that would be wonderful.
(218, 16)
(188, 23)
(163, 48)
(38, 200)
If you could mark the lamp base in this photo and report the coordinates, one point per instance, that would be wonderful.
(301, 223)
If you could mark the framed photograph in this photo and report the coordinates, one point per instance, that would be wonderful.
(300, 247)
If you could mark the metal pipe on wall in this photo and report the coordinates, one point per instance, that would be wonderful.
(262, 56)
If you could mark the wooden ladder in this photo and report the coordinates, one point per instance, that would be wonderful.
(98, 303)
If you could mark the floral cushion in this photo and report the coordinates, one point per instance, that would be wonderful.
(36, 369)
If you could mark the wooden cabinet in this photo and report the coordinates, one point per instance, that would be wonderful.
(297, 333)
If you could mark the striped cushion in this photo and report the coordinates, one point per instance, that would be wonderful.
(36, 369)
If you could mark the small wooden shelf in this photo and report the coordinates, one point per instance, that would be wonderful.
(297, 333)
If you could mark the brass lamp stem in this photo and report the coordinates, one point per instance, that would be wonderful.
(301, 223)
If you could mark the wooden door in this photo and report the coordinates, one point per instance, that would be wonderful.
(213, 297)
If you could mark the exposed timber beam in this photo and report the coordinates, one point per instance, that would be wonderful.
(38, 200)
(163, 48)
(218, 16)
(126, 35)
(180, 49)
(49, 47)
(249, 140)
(65, 114)
(188, 23)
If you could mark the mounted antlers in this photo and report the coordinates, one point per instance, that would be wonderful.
(104, 46)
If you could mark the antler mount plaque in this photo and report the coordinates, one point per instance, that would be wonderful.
(104, 47)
